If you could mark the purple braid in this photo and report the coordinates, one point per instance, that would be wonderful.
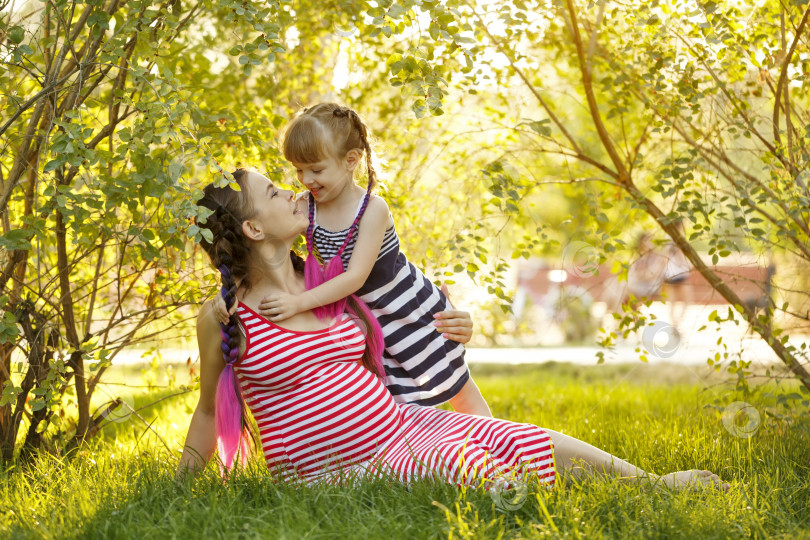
(311, 226)
(229, 254)
(231, 410)
(229, 331)
(355, 223)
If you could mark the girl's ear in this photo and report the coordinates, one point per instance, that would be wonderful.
(353, 158)
(252, 230)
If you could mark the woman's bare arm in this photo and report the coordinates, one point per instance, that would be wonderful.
(202, 433)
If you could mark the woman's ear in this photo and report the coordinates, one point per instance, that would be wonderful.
(353, 158)
(252, 230)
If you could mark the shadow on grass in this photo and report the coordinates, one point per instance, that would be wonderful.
(251, 505)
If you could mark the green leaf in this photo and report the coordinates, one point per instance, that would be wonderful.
(52, 165)
(175, 170)
(541, 127)
(15, 239)
(100, 19)
(16, 34)
(396, 11)
(419, 108)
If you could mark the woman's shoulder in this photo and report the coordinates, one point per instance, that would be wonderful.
(206, 318)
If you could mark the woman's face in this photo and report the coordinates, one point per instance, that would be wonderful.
(277, 213)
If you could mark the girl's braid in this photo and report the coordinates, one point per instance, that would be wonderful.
(311, 226)
(362, 132)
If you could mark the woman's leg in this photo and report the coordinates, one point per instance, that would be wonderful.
(581, 458)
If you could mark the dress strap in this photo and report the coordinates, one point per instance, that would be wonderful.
(315, 211)
(355, 225)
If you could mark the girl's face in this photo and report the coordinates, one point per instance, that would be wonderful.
(277, 213)
(325, 179)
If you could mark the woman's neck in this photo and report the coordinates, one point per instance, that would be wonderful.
(271, 270)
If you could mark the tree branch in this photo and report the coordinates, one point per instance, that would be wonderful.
(782, 80)
(587, 85)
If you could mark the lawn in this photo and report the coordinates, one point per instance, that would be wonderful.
(122, 485)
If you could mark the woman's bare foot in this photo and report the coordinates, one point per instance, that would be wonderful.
(692, 479)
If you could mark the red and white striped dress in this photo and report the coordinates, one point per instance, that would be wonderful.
(322, 416)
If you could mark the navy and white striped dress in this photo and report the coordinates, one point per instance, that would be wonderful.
(421, 366)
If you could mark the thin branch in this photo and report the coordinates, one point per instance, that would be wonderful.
(782, 79)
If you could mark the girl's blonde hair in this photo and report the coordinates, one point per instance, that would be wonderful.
(328, 129)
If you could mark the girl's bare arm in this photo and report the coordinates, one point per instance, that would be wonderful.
(371, 231)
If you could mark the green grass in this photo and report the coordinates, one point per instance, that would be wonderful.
(122, 484)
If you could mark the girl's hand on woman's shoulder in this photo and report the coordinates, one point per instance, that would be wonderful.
(219, 310)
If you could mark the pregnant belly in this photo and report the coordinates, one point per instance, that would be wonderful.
(334, 421)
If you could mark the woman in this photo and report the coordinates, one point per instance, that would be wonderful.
(321, 414)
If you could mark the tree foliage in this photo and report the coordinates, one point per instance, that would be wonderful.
(109, 110)
(680, 111)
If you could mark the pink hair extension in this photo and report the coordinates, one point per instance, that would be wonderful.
(232, 432)
(374, 338)
(315, 274)
(231, 437)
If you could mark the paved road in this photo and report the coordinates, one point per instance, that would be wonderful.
(664, 348)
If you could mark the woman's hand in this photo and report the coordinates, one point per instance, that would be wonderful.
(454, 324)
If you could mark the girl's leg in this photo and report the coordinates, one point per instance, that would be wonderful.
(579, 457)
(470, 401)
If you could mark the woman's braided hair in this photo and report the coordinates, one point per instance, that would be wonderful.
(228, 252)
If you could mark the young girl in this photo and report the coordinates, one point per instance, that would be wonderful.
(326, 144)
